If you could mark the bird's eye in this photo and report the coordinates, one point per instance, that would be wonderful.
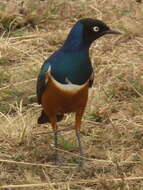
(96, 28)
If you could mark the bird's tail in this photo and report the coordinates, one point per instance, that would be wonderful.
(45, 119)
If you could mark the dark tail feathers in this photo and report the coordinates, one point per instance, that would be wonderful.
(44, 118)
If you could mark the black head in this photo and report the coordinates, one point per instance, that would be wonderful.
(93, 29)
(84, 32)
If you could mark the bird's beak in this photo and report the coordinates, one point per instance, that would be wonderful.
(110, 31)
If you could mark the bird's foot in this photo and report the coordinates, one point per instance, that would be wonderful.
(58, 162)
(81, 163)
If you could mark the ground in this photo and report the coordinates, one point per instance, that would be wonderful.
(112, 133)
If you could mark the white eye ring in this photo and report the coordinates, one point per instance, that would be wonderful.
(96, 28)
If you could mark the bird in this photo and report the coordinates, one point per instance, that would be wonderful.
(65, 78)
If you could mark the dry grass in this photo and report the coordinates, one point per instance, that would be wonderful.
(112, 132)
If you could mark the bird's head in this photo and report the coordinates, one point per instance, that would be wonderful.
(86, 30)
(94, 29)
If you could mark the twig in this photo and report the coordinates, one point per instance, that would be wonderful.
(89, 181)
(35, 164)
(99, 160)
(18, 83)
(29, 36)
(138, 93)
(51, 132)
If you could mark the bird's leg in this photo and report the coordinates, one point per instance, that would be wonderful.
(80, 148)
(55, 128)
(77, 130)
(56, 146)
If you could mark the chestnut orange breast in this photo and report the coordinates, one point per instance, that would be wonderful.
(63, 98)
